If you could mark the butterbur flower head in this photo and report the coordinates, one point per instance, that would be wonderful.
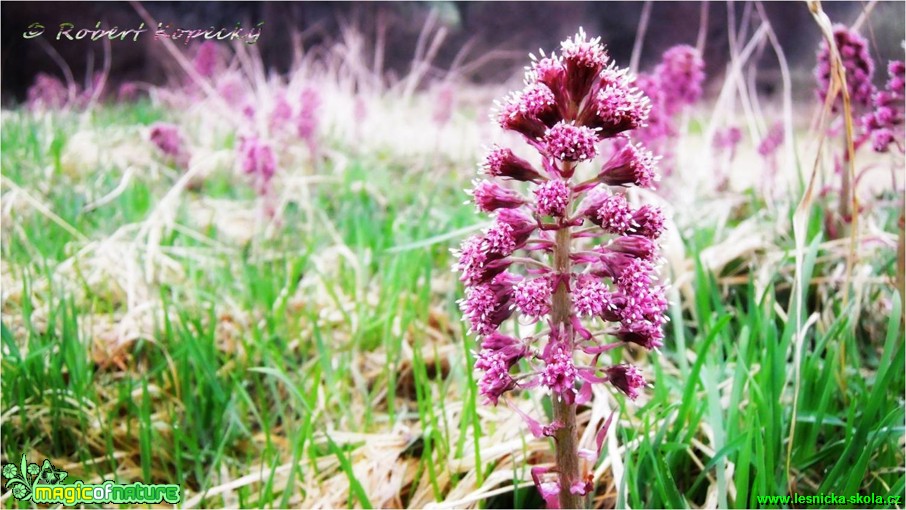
(634, 277)
(559, 373)
(166, 138)
(511, 347)
(573, 254)
(626, 378)
(533, 296)
(648, 221)
(501, 162)
(547, 70)
(584, 59)
(522, 224)
(635, 246)
(537, 101)
(611, 212)
(515, 115)
(630, 165)
(643, 310)
(487, 305)
(857, 64)
(881, 139)
(591, 296)
(619, 106)
(568, 142)
(496, 379)
(500, 240)
(552, 198)
(472, 256)
(490, 196)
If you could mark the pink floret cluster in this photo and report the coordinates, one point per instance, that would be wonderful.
(857, 64)
(674, 86)
(884, 124)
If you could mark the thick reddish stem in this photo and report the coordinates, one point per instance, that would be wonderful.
(566, 437)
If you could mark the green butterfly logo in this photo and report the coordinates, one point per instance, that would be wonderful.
(50, 475)
(21, 479)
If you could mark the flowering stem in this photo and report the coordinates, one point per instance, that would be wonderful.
(565, 413)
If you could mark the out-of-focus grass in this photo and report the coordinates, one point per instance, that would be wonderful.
(312, 365)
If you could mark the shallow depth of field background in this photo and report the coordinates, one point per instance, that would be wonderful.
(163, 323)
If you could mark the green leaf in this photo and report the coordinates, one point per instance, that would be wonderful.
(355, 487)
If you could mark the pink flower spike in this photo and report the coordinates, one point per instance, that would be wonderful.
(258, 162)
(681, 73)
(206, 59)
(307, 119)
(573, 254)
(47, 92)
(858, 67)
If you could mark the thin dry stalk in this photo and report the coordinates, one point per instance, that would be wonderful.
(640, 37)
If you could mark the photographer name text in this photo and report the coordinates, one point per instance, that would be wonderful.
(69, 32)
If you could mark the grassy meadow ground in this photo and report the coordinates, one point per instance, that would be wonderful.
(156, 327)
